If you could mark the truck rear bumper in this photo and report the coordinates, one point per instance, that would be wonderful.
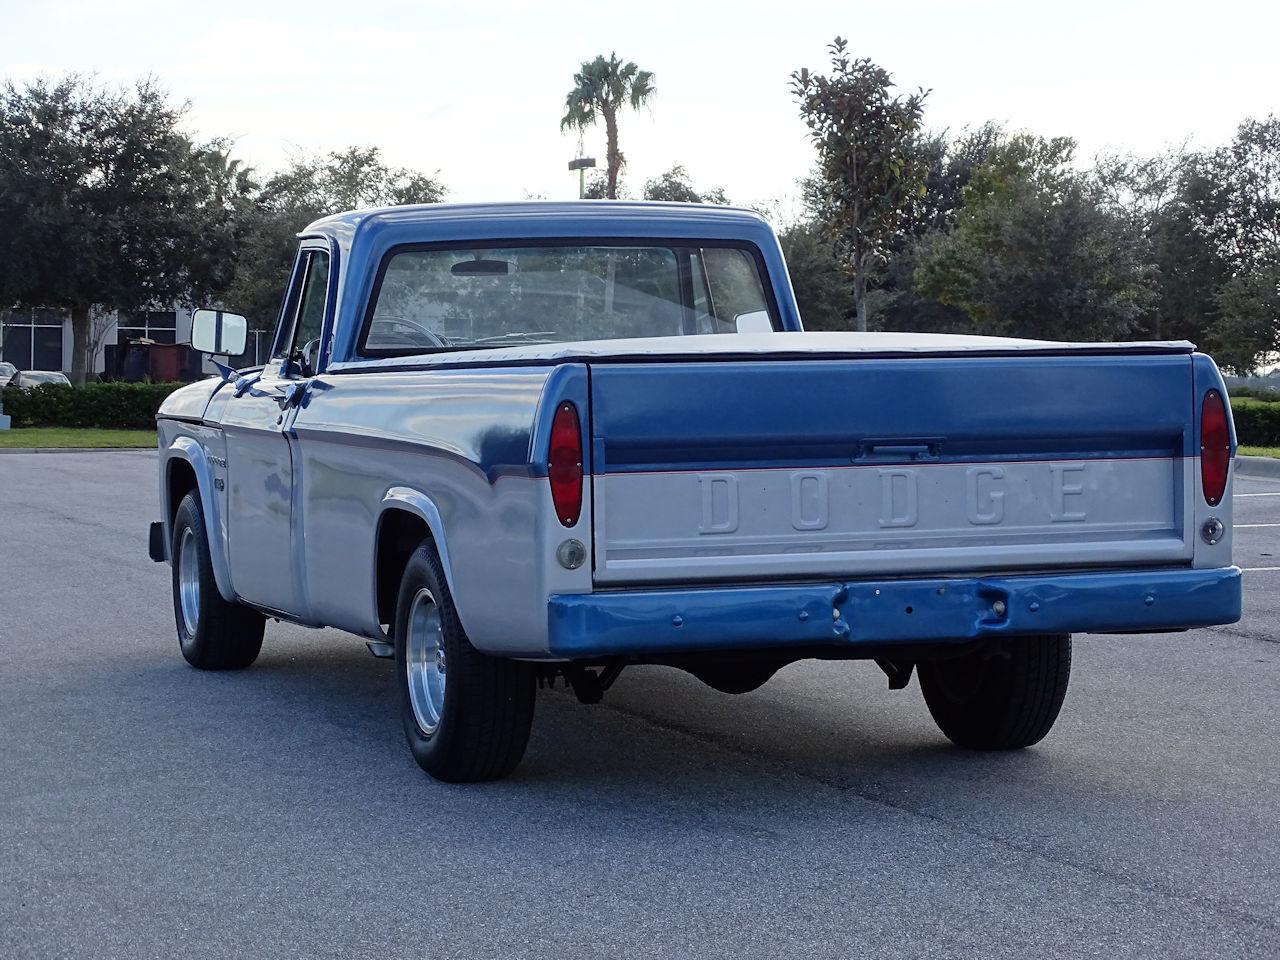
(651, 622)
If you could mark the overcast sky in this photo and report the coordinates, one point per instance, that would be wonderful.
(475, 90)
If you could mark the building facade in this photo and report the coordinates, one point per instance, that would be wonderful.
(40, 338)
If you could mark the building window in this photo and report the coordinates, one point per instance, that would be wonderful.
(159, 326)
(32, 339)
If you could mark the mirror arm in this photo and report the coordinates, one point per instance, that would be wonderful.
(289, 395)
(228, 374)
(244, 383)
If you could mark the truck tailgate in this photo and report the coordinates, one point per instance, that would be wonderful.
(769, 469)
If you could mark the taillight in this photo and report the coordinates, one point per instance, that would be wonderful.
(1215, 447)
(564, 464)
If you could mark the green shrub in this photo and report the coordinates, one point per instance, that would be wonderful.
(1256, 393)
(1257, 422)
(112, 406)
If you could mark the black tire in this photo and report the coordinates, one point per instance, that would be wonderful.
(1003, 696)
(227, 636)
(487, 713)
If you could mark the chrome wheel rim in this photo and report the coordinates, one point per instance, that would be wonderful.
(189, 582)
(424, 661)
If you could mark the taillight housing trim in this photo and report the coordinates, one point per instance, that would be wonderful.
(564, 463)
(1215, 447)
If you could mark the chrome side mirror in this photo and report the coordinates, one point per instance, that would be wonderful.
(218, 332)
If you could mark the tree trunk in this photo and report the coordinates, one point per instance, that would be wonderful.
(860, 287)
(613, 159)
(80, 359)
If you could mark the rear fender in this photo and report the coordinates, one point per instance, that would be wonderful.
(423, 507)
(1207, 377)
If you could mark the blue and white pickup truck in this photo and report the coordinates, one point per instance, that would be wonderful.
(510, 443)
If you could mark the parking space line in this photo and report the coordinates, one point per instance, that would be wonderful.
(1257, 569)
(1274, 494)
(1251, 526)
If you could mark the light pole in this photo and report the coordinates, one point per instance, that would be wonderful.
(582, 165)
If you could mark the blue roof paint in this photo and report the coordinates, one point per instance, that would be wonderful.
(362, 238)
(583, 212)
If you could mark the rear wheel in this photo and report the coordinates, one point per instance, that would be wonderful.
(466, 715)
(212, 634)
(1003, 696)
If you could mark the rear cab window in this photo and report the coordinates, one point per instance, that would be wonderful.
(440, 298)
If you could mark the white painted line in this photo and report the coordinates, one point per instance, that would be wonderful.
(1276, 494)
(1251, 526)
(1257, 569)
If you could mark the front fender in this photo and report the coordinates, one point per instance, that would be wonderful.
(190, 450)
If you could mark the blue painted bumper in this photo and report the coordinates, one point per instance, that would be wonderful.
(651, 622)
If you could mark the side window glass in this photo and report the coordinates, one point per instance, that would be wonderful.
(303, 321)
(311, 308)
(733, 286)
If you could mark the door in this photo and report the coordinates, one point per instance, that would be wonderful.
(260, 470)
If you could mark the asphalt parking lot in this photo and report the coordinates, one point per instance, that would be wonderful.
(150, 810)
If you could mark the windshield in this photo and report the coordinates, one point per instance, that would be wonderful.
(458, 299)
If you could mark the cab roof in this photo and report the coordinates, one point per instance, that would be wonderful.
(584, 218)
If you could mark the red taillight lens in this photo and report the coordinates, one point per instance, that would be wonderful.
(564, 464)
(1215, 447)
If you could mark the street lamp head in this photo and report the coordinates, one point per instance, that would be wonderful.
(582, 163)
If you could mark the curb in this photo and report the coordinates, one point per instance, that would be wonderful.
(1258, 467)
(4, 450)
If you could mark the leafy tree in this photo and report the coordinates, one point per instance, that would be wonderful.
(896, 303)
(1210, 223)
(824, 295)
(1241, 215)
(949, 164)
(597, 188)
(675, 185)
(1248, 327)
(1247, 224)
(1035, 251)
(869, 174)
(105, 201)
(1167, 198)
(601, 89)
(310, 188)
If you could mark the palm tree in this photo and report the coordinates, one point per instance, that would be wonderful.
(600, 89)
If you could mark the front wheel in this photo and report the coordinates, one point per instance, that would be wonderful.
(466, 715)
(212, 634)
(1003, 696)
